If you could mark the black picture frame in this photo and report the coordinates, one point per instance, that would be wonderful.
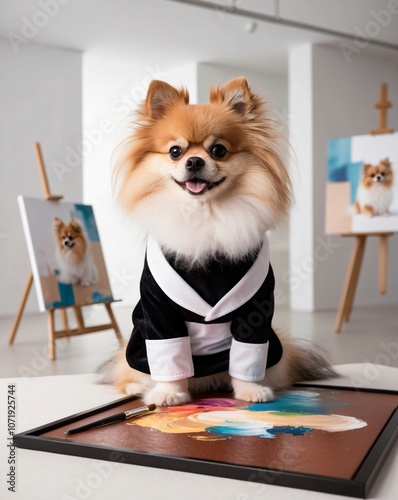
(359, 486)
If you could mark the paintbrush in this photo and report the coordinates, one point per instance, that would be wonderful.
(118, 417)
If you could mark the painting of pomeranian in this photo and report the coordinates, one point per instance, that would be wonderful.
(75, 261)
(375, 191)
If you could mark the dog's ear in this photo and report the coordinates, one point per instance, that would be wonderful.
(386, 162)
(75, 225)
(161, 96)
(365, 167)
(235, 93)
(58, 224)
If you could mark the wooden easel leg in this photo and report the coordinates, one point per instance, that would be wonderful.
(355, 277)
(114, 324)
(51, 334)
(383, 261)
(64, 317)
(351, 281)
(21, 309)
(79, 317)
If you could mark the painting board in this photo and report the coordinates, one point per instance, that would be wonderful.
(347, 157)
(218, 435)
(61, 283)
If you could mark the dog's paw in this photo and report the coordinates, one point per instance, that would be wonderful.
(168, 394)
(134, 389)
(250, 391)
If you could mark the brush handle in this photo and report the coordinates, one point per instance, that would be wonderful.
(118, 417)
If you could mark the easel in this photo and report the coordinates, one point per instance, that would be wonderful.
(354, 267)
(54, 334)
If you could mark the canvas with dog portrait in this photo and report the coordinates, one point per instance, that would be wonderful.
(65, 253)
(362, 187)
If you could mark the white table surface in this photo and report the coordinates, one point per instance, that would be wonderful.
(42, 476)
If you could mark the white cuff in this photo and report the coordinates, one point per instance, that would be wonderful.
(170, 359)
(248, 361)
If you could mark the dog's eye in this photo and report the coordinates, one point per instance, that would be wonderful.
(218, 151)
(175, 152)
(373, 175)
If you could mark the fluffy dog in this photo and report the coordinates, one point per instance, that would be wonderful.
(375, 192)
(206, 182)
(74, 259)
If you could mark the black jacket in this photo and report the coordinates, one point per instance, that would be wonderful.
(202, 322)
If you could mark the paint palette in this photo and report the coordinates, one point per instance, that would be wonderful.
(321, 438)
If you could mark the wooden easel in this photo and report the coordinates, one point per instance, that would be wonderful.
(383, 105)
(54, 334)
(354, 267)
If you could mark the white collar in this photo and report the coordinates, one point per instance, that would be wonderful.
(184, 295)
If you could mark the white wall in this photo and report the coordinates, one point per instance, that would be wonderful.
(40, 101)
(330, 97)
(112, 89)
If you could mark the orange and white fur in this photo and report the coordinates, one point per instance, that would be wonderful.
(244, 191)
(375, 191)
(74, 259)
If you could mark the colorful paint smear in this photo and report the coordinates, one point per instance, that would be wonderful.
(292, 412)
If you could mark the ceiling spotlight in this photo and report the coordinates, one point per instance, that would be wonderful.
(250, 27)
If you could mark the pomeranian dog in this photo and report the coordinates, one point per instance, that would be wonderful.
(74, 259)
(206, 182)
(375, 192)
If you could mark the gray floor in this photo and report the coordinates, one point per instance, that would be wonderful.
(370, 337)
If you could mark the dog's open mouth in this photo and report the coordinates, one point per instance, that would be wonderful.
(197, 186)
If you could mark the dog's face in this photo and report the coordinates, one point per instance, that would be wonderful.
(199, 164)
(203, 166)
(201, 149)
(70, 237)
(380, 174)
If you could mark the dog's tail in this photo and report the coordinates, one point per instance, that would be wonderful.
(115, 371)
(301, 361)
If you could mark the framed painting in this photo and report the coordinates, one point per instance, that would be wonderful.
(65, 253)
(327, 439)
(362, 184)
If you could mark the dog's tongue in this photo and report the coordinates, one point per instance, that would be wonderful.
(195, 186)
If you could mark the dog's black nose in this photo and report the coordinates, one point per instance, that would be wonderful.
(194, 164)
